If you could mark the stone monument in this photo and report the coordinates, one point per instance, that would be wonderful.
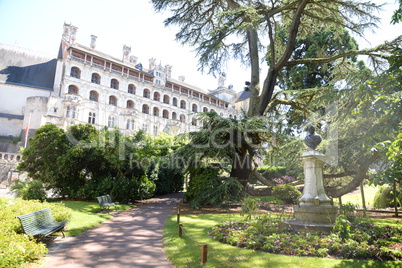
(315, 210)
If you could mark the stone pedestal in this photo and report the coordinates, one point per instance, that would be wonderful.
(315, 210)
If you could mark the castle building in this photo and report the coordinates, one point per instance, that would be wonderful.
(84, 85)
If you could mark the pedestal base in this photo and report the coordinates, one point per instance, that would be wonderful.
(308, 227)
(325, 214)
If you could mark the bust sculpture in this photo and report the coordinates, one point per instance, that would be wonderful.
(312, 140)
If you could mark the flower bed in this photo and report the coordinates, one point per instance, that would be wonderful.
(364, 240)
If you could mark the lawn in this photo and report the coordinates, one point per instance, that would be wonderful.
(85, 216)
(186, 251)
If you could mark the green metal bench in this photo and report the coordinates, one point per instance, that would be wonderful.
(106, 202)
(41, 223)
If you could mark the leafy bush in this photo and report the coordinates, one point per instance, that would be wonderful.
(272, 172)
(17, 248)
(383, 197)
(206, 187)
(342, 227)
(29, 190)
(169, 180)
(287, 193)
(348, 210)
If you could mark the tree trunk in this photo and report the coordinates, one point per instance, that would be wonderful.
(363, 200)
(395, 199)
(242, 167)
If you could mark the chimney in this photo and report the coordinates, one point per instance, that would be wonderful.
(168, 71)
(93, 42)
(182, 78)
(126, 53)
(73, 33)
(66, 31)
(152, 64)
(133, 60)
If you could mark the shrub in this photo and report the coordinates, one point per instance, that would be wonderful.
(16, 248)
(287, 193)
(30, 190)
(348, 210)
(206, 187)
(383, 197)
(272, 172)
(170, 180)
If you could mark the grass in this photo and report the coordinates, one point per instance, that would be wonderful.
(85, 216)
(186, 251)
(356, 198)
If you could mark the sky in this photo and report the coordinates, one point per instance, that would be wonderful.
(38, 25)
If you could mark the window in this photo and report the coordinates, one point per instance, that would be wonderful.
(235, 117)
(71, 112)
(182, 118)
(75, 72)
(145, 109)
(205, 110)
(145, 127)
(212, 111)
(112, 101)
(158, 82)
(195, 108)
(230, 116)
(174, 116)
(130, 124)
(130, 104)
(131, 89)
(114, 83)
(157, 96)
(174, 102)
(159, 74)
(166, 99)
(156, 111)
(146, 93)
(194, 122)
(156, 130)
(183, 104)
(72, 89)
(110, 122)
(93, 95)
(91, 118)
(95, 78)
(165, 114)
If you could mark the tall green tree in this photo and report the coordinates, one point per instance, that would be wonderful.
(268, 32)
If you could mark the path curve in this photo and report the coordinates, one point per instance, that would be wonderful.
(133, 238)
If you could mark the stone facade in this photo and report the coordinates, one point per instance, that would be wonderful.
(89, 86)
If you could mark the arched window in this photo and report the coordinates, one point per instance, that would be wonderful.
(166, 99)
(165, 114)
(130, 104)
(75, 72)
(114, 83)
(146, 93)
(145, 109)
(174, 102)
(194, 122)
(130, 124)
(91, 118)
(182, 118)
(93, 95)
(72, 89)
(205, 110)
(110, 122)
(212, 111)
(174, 116)
(113, 100)
(230, 116)
(131, 89)
(156, 111)
(195, 108)
(182, 104)
(235, 117)
(96, 78)
(157, 96)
